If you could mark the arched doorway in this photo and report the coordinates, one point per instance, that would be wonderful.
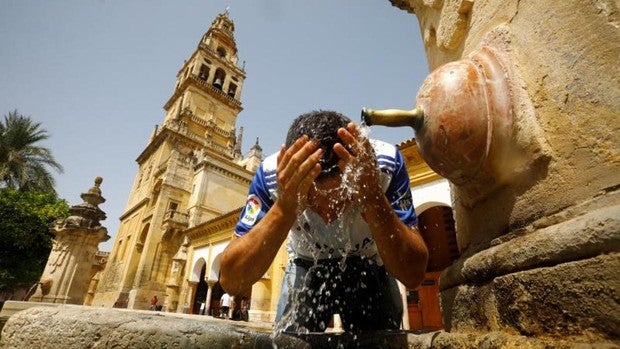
(436, 225)
(198, 306)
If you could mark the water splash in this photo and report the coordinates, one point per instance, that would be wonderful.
(344, 201)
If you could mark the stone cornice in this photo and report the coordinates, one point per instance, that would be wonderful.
(419, 178)
(134, 208)
(165, 133)
(228, 174)
(209, 229)
(214, 161)
(219, 95)
(187, 114)
(419, 171)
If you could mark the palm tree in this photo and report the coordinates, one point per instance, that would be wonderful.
(24, 164)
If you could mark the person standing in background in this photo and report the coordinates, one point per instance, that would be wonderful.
(225, 305)
(153, 303)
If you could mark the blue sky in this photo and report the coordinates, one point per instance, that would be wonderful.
(96, 74)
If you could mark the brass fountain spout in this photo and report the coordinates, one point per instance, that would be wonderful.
(394, 117)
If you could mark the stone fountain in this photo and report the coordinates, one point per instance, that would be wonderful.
(522, 114)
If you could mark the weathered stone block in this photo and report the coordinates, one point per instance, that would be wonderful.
(570, 299)
(85, 327)
(577, 300)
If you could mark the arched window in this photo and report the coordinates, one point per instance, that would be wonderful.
(232, 90)
(218, 80)
(204, 72)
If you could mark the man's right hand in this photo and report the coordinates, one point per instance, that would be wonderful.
(298, 167)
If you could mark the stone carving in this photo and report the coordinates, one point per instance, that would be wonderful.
(60, 249)
(87, 214)
(68, 271)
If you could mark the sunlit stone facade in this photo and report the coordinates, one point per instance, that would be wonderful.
(190, 172)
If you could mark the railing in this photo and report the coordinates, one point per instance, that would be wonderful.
(213, 88)
(176, 217)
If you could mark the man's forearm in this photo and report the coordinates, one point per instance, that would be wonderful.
(246, 259)
(401, 248)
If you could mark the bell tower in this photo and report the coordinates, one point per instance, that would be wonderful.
(209, 86)
(191, 171)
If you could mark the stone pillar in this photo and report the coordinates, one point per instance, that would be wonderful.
(521, 115)
(403, 296)
(210, 284)
(192, 285)
(67, 274)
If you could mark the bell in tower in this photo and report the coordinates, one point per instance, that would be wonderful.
(218, 83)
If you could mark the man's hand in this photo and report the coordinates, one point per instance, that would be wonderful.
(358, 164)
(298, 167)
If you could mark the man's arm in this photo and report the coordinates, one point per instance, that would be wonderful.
(246, 259)
(401, 248)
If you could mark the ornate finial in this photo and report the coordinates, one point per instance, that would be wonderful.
(87, 214)
(96, 189)
(226, 11)
(257, 148)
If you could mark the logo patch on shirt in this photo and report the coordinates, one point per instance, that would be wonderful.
(252, 209)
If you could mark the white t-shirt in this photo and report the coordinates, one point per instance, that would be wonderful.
(349, 235)
(225, 300)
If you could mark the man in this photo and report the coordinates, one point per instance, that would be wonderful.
(344, 202)
(153, 303)
(225, 305)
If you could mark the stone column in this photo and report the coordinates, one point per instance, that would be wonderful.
(403, 296)
(67, 274)
(191, 294)
(210, 284)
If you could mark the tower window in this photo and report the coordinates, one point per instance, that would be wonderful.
(204, 72)
(173, 206)
(232, 90)
(221, 52)
(219, 78)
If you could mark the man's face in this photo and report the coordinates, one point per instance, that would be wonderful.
(329, 193)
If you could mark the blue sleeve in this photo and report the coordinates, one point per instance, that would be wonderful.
(399, 193)
(257, 204)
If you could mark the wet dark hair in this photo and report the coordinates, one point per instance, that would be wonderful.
(320, 125)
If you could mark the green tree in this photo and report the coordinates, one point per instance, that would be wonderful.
(23, 163)
(25, 239)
